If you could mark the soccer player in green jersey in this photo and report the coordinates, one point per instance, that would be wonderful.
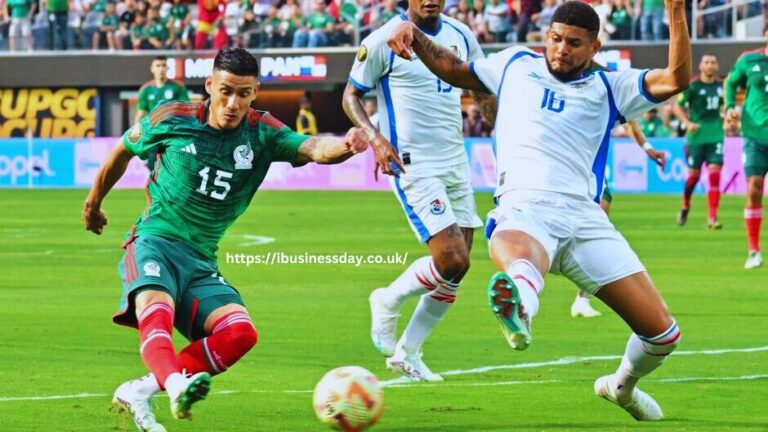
(751, 73)
(213, 156)
(699, 108)
(156, 91)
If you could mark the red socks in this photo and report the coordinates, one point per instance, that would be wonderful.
(753, 216)
(713, 196)
(155, 328)
(690, 184)
(232, 336)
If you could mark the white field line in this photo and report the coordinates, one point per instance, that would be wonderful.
(400, 383)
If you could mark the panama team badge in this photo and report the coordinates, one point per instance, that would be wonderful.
(437, 207)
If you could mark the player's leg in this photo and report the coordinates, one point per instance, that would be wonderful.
(755, 168)
(655, 336)
(582, 304)
(695, 159)
(714, 160)
(599, 260)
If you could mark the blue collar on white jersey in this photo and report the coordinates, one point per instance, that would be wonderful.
(404, 17)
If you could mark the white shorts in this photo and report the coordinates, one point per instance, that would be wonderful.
(580, 241)
(433, 200)
(21, 26)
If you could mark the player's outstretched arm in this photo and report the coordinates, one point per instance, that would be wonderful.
(332, 150)
(109, 173)
(662, 84)
(382, 148)
(635, 132)
(408, 38)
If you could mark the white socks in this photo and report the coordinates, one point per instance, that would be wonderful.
(529, 282)
(174, 384)
(643, 355)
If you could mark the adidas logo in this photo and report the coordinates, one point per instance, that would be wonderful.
(756, 68)
(190, 149)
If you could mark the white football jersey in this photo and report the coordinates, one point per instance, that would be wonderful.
(418, 113)
(553, 135)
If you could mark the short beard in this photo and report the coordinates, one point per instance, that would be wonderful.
(571, 75)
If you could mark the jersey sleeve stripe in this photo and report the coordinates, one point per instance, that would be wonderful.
(390, 111)
(518, 55)
(270, 120)
(643, 92)
(391, 62)
(172, 109)
(363, 88)
(601, 158)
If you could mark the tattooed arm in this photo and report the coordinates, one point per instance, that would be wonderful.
(439, 60)
(487, 104)
(332, 150)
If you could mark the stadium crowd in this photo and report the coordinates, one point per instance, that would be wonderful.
(180, 24)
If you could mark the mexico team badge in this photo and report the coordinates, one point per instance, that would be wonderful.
(437, 207)
(243, 156)
(151, 269)
(134, 135)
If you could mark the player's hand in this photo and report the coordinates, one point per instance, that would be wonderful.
(731, 123)
(94, 218)
(659, 157)
(385, 157)
(733, 114)
(356, 140)
(692, 127)
(401, 39)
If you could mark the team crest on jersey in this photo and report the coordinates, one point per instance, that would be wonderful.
(437, 207)
(243, 156)
(168, 94)
(756, 68)
(362, 53)
(151, 269)
(455, 50)
(134, 135)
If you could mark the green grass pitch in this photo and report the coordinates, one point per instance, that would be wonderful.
(59, 288)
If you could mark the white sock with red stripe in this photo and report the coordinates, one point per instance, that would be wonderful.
(642, 356)
(431, 309)
(529, 283)
(419, 278)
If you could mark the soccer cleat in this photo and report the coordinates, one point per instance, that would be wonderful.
(639, 404)
(128, 398)
(383, 323)
(682, 217)
(582, 307)
(411, 366)
(197, 388)
(714, 224)
(754, 260)
(506, 304)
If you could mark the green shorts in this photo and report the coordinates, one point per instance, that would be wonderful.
(697, 154)
(191, 279)
(606, 195)
(755, 158)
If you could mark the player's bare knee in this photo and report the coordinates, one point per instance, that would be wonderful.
(453, 265)
(148, 297)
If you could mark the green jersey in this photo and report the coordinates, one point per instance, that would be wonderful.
(751, 73)
(158, 31)
(150, 95)
(318, 21)
(179, 12)
(205, 178)
(20, 8)
(704, 102)
(653, 128)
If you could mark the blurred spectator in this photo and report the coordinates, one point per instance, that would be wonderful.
(542, 20)
(305, 122)
(58, 16)
(621, 20)
(652, 125)
(389, 11)
(274, 31)
(372, 111)
(528, 8)
(109, 24)
(249, 32)
(261, 8)
(603, 10)
(463, 13)
(138, 33)
(315, 29)
(712, 24)
(94, 13)
(180, 25)
(21, 14)
(156, 32)
(652, 20)
(475, 125)
(210, 24)
(477, 22)
(127, 14)
(497, 19)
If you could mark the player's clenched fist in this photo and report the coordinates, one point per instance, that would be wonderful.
(94, 218)
(401, 39)
(357, 141)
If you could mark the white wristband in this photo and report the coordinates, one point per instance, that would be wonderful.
(647, 146)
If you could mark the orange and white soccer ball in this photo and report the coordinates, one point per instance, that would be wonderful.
(349, 398)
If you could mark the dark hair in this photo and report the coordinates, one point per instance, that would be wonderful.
(163, 58)
(236, 61)
(578, 14)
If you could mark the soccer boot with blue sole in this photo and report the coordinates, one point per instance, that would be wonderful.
(506, 304)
